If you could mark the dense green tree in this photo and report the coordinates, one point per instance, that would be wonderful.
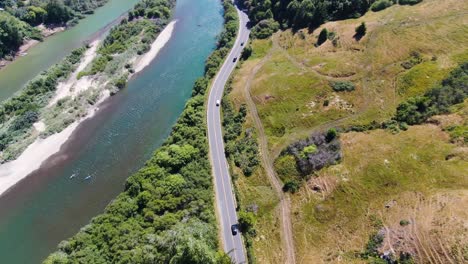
(323, 36)
(247, 221)
(11, 36)
(360, 31)
(57, 12)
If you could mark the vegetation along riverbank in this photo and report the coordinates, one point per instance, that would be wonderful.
(55, 102)
(24, 23)
(166, 212)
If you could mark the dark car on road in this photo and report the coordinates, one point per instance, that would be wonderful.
(234, 229)
(235, 59)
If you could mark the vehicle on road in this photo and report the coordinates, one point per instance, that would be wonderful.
(218, 102)
(234, 229)
(235, 59)
(242, 44)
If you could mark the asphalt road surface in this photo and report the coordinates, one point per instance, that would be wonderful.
(224, 192)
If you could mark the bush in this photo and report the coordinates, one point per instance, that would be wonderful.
(453, 90)
(325, 152)
(332, 134)
(323, 36)
(404, 222)
(247, 52)
(265, 29)
(409, 2)
(247, 221)
(361, 31)
(381, 5)
(343, 86)
(291, 186)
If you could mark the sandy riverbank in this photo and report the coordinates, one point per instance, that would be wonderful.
(38, 152)
(160, 42)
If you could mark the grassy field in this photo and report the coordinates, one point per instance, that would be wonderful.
(419, 174)
(292, 88)
(408, 171)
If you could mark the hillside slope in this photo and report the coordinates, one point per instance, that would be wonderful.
(419, 174)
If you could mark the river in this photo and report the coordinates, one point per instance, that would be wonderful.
(48, 206)
(40, 57)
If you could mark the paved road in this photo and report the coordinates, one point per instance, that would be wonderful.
(224, 192)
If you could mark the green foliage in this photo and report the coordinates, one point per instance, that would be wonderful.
(331, 135)
(24, 121)
(342, 86)
(13, 32)
(381, 5)
(16, 22)
(231, 21)
(121, 82)
(35, 15)
(316, 152)
(311, 149)
(323, 36)
(453, 90)
(153, 9)
(415, 59)
(409, 2)
(57, 12)
(375, 241)
(291, 186)
(247, 221)
(243, 150)
(360, 31)
(23, 107)
(225, 40)
(247, 52)
(304, 13)
(404, 222)
(264, 29)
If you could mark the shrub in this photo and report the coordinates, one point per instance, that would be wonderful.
(291, 186)
(404, 222)
(453, 90)
(331, 135)
(361, 31)
(247, 221)
(343, 86)
(326, 153)
(323, 36)
(381, 5)
(415, 59)
(247, 52)
(409, 2)
(265, 29)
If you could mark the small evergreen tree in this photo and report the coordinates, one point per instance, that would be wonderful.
(322, 37)
(360, 31)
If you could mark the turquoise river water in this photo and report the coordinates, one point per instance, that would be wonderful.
(48, 207)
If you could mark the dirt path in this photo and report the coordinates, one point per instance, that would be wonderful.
(267, 162)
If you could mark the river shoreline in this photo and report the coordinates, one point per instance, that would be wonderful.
(30, 43)
(42, 149)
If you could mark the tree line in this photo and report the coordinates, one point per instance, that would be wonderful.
(166, 212)
(298, 14)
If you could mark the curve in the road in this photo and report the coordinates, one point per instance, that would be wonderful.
(225, 198)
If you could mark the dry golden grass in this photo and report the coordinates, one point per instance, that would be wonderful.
(408, 168)
(416, 168)
(292, 87)
(437, 229)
